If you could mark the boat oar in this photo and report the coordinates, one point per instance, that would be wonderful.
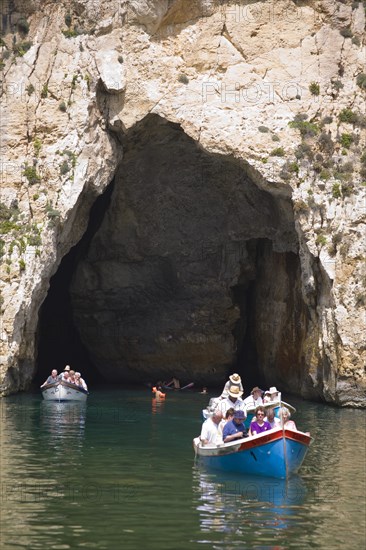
(187, 386)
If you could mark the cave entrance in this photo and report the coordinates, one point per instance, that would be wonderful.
(189, 268)
(58, 340)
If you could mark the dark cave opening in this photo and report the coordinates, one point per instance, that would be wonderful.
(273, 317)
(247, 362)
(58, 340)
(187, 268)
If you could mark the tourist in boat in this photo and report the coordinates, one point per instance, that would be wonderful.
(272, 419)
(52, 379)
(66, 370)
(271, 395)
(233, 401)
(285, 416)
(229, 415)
(210, 432)
(235, 429)
(255, 398)
(234, 380)
(72, 377)
(80, 381)
(65, 376)
(259, 425)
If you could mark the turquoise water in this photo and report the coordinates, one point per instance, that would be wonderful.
(120, 472)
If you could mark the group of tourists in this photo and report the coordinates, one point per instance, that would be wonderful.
(68, 375)
(230, 411)
(231, 396)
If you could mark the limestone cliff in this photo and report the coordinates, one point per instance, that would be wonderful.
(233, 136)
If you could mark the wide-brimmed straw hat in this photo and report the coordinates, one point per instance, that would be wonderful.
(234, 391)
(67, 367)
(256, 389)
(271, 390)
(235, 378)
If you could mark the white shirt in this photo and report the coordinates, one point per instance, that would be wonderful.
(211, 432)
(271, 398)
(83, 383)
(276, 422)
(251, 402)
(226, 404)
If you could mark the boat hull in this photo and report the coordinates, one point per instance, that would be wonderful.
(275, 453)
(63, 391)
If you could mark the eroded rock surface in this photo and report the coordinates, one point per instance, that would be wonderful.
(158, 283)
(268, 100)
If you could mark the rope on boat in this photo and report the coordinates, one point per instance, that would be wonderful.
(283, 436)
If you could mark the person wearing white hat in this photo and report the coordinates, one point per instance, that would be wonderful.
(233, 400)
(271, 395)
(234, 380)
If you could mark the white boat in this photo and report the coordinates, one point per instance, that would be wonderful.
(64, 391)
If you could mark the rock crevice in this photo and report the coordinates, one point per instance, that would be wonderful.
(236, 233)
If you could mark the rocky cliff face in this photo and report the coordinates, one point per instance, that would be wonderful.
(234, 138)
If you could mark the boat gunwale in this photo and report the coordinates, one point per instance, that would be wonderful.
(253, 441)
(272, 405)
(66, 385)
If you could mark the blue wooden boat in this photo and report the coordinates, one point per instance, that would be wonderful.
(276, 453)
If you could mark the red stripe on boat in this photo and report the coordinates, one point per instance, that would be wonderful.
(274, 436)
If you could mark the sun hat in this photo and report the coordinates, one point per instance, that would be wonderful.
(271, 390)
(239, 414)
(235, 378)
(256, 389)
(67, 367)
(234, 391)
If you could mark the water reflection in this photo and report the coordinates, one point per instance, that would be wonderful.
(230, 504)
(63, 422)
(157, 405)
(125, 473)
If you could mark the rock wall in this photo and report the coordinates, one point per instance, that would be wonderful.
(275, 90)
(153, 293)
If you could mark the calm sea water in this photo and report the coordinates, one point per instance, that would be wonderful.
(119, 473)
